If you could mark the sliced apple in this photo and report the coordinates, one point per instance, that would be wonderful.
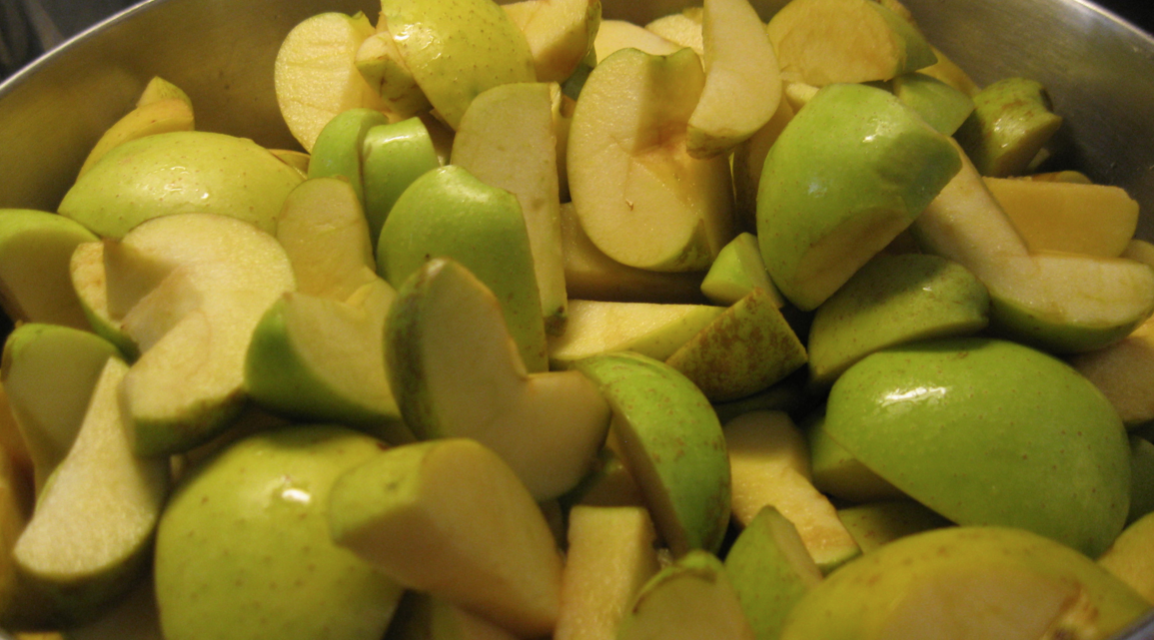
(836, 472)
(337, 150)
(880, 523)
(942, 106)
(1012, 121)
(381, 65)
(161, 116)
(35, 251)
(455, 373)
(749, 160)
(739, 61)
(1124, 373)
(737, 271)
(394, 156)
(639, 196)
(195, 325)
(507, 140)
(1130, 558)
(449, 517)
(615, 35)
(683, 28)
(559, 32)
(316, 75)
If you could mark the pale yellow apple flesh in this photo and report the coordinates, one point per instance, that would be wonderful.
(652, 329)
(559, 32)
(614, 35)
(683, 28)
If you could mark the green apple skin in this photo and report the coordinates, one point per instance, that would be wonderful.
(879, 523)
(891, 300)
(243, 549)
(458, 48)
(449, 213)
(942, 107)
(978, 429)
(987, 581)
(180, 172)
(673, 444)
(847, 175)
(35, 253)
(1010, 124)
(737, 271)
(394, 156)
(838, 473)
(1141, 478)
(337, 150)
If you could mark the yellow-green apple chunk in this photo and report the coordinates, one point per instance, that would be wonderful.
(615, 35)
(92, 529)
(739, 61)
(592, 275)
(610, 556)
(455, 372)
(1090, 219)
(835, 190)
(652, 329)
(1141, 478)
(771, 570)
(683, 28)
(967, 582)
(879, 523)
(560, 33)
(321, 360)
(640, 197)
(692, 598)
(381, 64)
(769, 460)
(35, 250)
(162, 116)
(394, 156)
(450, 518)
(1124, 372)
(49, 372)
(942, 106)
(746, 349)
(1131, 557)
(458, 48)
(673, 445)
(421, 616)
(324, 233)
(316, 76)
(737, 271)
(1011, 123)
(194, 326)
(973, 428)
(822, 42)
(1061, 302)
(243, 549)
(90, 284)
(891, 300)
(836, 472)
(507, 140)
(449, 213)
(337, 151)
(180, 172)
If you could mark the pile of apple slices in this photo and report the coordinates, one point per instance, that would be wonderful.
(574, 328)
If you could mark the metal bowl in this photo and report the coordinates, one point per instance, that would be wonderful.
(1099, 70)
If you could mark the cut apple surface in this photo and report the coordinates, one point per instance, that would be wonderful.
(683, 28)
(1124, 372)
(35, 250)
(381, 64)
(640, 197)
(615, 35)
(455, 373)
(560, 33)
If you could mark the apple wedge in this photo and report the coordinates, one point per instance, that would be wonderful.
(615, 35)
(338, 148)
(640, 197)
(161, 116)
(194, 326)
(559, 32)
(683, 28)
(739, 61)
(1124, 373)
(35, 251)
(455, 373)
(450, 518)
(381, 65)
(651, 329)
(507, 140)
(394, 156)
(91, 287)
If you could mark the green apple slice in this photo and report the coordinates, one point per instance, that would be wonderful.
(394, 156)
(49, 372)
(35, 249)
(771, 570)
(880, 523)
(180, 172)
(651, 329)
(739, 60)
(838, 473)
(974, 429)
(320, 360)
(610, 556)
(1010, 124)
(449, 213)
(693, 598)
(737, 271)
(673, 445)
(507, 140)
(324, 233)
(337, 149)
(769, 461)
(161, 116)
(560, 33)
(91, 287)
(455, 373)
(195, 326)
(316, 76)
(967, 582)
(261, 507)
(823, 42)
(943, 107)
(891, 300)
(835, 190)
(92, 529)
(1141, 478)
(615, 35)
(640, 197)
(456, 49)
(383, 67)
(450, 518)
(746, 349)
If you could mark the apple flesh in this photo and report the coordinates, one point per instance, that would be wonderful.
(35, 252)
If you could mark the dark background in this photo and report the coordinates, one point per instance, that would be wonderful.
(29, 27)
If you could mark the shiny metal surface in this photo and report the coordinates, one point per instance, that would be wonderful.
(1099, 70)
